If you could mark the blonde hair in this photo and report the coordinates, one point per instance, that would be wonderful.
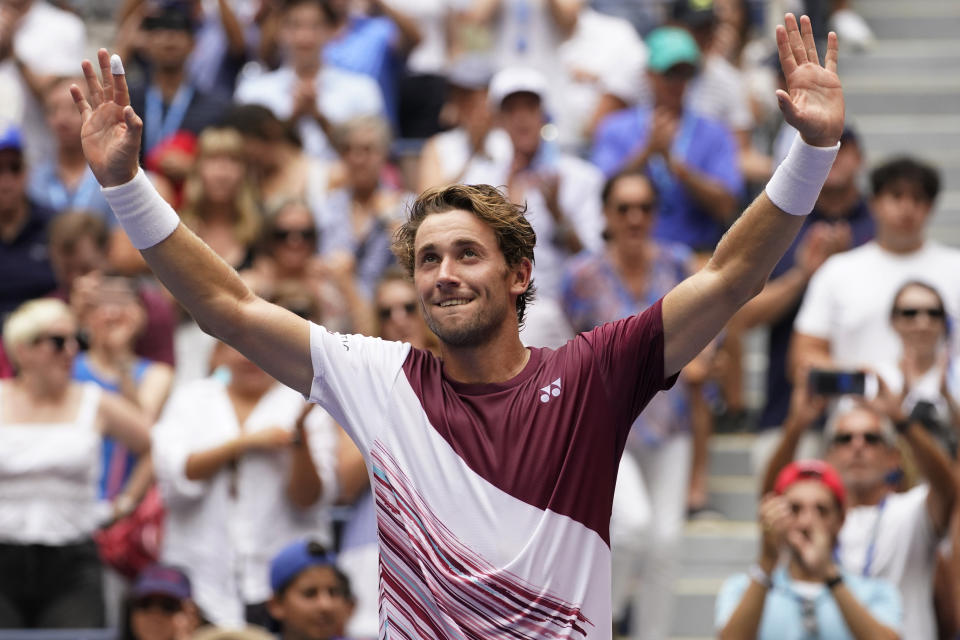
(379, 125)
(30, 320)
(222, 142)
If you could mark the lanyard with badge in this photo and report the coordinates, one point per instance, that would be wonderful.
(871, 547)
(159, 127)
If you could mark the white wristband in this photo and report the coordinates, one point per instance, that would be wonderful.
(795, 185)
(141, 211)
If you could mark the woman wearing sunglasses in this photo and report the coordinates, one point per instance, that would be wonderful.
(50, 573)
(288, 257)
(926, 372)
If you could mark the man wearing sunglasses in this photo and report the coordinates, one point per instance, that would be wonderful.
(886, 534)
(796, 590)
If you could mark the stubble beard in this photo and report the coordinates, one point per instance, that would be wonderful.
(471, 332)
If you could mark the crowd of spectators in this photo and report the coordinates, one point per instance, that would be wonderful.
(290, 135)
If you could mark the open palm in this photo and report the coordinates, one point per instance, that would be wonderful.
(813, 102)
(110, 133)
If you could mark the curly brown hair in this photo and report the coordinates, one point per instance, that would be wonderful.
(515, 235)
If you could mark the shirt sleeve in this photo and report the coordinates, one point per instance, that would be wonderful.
(353, 378)
(630, 356)
(884, 604)
(814, 317)
(728, 598)
(322, 436)
(171, 447)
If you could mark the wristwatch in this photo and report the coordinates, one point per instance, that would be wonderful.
(834, 581)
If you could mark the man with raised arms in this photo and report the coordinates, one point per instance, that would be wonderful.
(493, 466)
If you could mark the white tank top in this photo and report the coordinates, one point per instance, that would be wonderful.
(48, 477)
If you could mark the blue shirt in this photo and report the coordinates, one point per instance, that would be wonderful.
(48, 190)
(783, 617)
(367, 47)
(116, 459)
(704, 145)
(778, 387)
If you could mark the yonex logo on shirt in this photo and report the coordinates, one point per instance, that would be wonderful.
(552, 389)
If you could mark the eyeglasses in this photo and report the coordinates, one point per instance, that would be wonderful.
(872, 439)
(385, 313)
(647, 207)
(58, 341)
(164, 603)
(934, 313)
(304, 234)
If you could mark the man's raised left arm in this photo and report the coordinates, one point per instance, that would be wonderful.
(699, 307)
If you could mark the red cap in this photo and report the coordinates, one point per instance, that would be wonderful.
(811, 470)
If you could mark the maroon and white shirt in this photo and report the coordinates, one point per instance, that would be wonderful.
(493, 500)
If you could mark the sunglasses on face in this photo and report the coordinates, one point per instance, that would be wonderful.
(285, 235)
(166, 605)
(15, 167)
(872, 439)
(646, 208)
(385, 313)
(59, 341)
(934, 313)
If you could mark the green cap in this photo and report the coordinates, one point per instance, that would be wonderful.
(669, 46)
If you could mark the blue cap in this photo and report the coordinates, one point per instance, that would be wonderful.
(669, 46)
(296, 557)
(10, 137)
(164, 580)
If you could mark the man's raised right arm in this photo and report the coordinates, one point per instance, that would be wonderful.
(221, 303)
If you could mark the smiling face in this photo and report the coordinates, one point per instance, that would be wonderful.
(50, 354)
(467, 290)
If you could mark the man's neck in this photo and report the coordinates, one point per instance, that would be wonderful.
(898, 245)
(71, 161)
(869, 497)
(12, 220)
(168, 81)
(497, 360)
(307, 69)
(836, 203)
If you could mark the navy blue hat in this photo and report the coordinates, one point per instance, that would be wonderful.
(11, 137)
(163, 580)
(295, 558)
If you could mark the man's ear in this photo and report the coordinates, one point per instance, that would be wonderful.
(522, 273)
(276, 609)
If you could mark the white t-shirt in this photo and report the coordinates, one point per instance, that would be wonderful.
(926, 387)
(849, 299)
(493, 501)
(341, 95)
(430, 55)
(604, 55)
(51, 42)
(903, 552)
(226, 542)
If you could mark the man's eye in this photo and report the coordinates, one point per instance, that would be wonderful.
(429, 257)
(469, 253)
